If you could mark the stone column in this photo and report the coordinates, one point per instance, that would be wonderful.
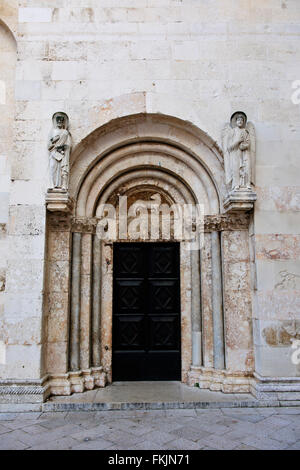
(196, 310)
(106, 273)
(75, 304)
(85, 301)
(206, 299)
(217, 302)
(96, 308)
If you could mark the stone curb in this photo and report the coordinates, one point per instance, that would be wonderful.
(119, 406)
(153, 406)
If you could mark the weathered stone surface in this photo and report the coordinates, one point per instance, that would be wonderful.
(147, 88)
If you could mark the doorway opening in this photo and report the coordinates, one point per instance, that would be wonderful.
(146, 338)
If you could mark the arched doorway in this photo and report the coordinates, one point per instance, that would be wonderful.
(141, 156)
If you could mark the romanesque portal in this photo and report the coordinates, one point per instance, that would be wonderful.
(147, 157)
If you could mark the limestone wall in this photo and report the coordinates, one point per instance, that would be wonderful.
(194, 59)
(8, 56)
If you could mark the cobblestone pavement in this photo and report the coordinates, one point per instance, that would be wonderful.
(246, 428)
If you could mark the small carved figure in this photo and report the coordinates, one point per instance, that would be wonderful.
(238, 141)
(59, 146)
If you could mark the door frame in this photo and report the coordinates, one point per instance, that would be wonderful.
(177, 269)
(186, 286)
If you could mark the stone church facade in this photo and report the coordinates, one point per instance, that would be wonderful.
(183, 102)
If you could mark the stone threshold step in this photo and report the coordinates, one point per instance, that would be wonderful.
(162, 405)
(121, 406)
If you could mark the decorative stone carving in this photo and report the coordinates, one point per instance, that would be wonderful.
(2, 281)
(59, 146)
(24, 391)
(238, 142)
(218, 223)
(84, 224)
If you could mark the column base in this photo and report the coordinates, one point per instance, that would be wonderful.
(220, 380)
(77, 382)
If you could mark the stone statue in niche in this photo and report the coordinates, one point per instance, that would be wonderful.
(238, 141)
(59, 147)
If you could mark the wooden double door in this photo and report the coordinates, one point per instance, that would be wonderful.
(146, 312)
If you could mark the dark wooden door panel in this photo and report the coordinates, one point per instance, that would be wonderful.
(164, 296)
(129, 295)
(164, 333)
(146, 312)
(129, 332)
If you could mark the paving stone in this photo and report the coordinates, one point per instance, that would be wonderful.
(77, 416)
(8, 416)
(167, 430)
(264, 443)
(91, 434)
(227, 421)
(181, 413)
(238, 412)
(52, 423)
(266, 411)
(245, 447)
(124, 438)
(190, 433)
(294, 419)
(17, 424)
(167, 426)
(52, 415)
(212, 428)
(120, 447)
(149, 445)
(47, 436)
(286, 434)
(98, 444)
(152, 413)
(138, 429)
(66, 443)
(236, 434)
(29, 415)
(4, 429)
(9, 442)
(253, 418)
(218, 442)
(276, 421)
(295, 446)
(34, 429)
(159, 436)
(184, 444)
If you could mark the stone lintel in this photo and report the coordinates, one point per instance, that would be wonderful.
(212, 223)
